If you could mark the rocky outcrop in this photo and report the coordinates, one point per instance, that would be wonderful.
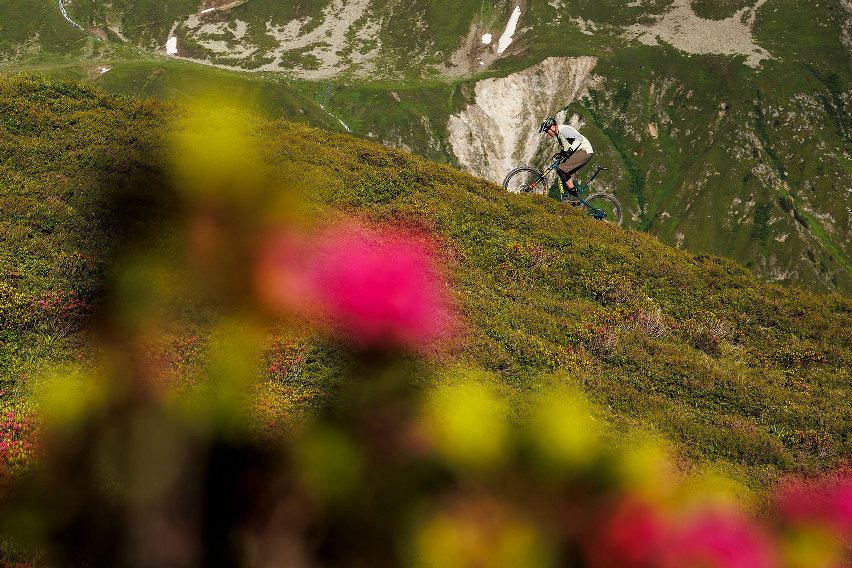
(499, 131)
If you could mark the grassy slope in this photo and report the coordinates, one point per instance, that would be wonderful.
(683, 187)
(752, 375)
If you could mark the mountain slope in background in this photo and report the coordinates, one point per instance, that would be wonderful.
(726, 123)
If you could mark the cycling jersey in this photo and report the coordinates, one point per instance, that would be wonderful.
(570, 139)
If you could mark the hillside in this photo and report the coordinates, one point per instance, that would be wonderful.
(726, 124)
(733, 369)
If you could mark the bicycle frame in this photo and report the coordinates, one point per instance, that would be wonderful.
(593, 211)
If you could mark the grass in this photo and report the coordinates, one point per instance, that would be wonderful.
(734, 370)
(697, 157)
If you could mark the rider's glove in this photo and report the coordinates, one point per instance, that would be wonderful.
(561, 156)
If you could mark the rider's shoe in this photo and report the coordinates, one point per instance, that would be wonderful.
(569, 194)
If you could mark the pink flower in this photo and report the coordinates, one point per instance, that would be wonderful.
(631, 537)
(824, 500)
(720, 539)
(639, 535)
(379, 287)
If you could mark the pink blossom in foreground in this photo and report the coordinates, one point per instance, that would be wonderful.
(632, 536)
(640, 534)
(720, 539)
(825, 500)
(378, 287)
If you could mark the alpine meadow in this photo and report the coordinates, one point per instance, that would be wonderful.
(265, 302)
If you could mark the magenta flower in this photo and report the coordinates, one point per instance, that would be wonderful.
(825, 500)
(638, 534)
(720, 539)
(377, 287)
(632, 536)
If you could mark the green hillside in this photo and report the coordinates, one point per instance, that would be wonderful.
(736, 371)
(736, 147)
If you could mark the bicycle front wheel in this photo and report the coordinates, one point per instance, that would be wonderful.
(605, 207)
(526, 180)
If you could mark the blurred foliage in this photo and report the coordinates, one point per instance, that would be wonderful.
(467, 388)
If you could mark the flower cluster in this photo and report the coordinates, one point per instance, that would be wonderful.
(813, 442)
(16, 311)
(641, 533)
(824, 501)
(179, 360)
(525, 262)
(376, 286)
(600, 340)
(650, 322)
(286, 358)
(60, 313)
(78, 267)
(277, 405)
(17, 435)
(708, 333)
(810, 441)
(789, 357)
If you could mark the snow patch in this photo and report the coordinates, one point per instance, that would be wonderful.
(506, 38)
(65, 15)
(334, 41)
(171, 46)
(486, 39)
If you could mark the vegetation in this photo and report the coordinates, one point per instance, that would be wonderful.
(127, 216)
(734, 369)
(680, 184)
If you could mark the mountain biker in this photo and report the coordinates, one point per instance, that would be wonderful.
(576, 150)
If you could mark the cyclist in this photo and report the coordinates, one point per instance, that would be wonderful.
(576, 150)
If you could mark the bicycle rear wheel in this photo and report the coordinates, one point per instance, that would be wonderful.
(526, 180)
(604, 207)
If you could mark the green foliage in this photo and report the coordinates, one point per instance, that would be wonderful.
(693, 345)
(719, 9)
(763, 133)
(676, 184)
(760, 231)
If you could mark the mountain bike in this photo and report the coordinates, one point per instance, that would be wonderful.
(601, 206)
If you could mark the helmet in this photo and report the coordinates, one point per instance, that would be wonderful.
(548, 122)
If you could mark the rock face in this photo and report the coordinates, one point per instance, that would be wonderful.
(681, 28)
(500, 130)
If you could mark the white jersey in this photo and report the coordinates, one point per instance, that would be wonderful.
(570, 139)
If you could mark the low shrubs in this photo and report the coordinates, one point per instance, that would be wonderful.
(733, 370)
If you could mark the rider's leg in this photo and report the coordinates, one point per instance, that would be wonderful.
(564, 178)
(568, 168)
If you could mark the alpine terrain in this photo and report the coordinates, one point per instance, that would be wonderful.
(725, 123)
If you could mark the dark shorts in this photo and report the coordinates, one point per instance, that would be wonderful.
(577, 160)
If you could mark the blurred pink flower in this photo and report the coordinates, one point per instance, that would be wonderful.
(822, 500)
(639, 534)
(720, 538)
(379, 287)
(632, 536)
